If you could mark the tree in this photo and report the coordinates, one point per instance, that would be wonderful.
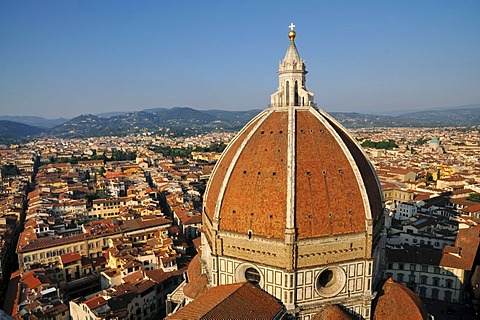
(9, 170)
(98, 194)
(390, 144)
(421, 141)
(474, 197)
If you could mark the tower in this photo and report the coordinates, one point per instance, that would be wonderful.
(292, 89)
(294, 206)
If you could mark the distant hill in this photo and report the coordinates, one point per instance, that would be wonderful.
(459, 116)
(11, 129)
(111, 114)
(236, 117)
(182, 121)
(81, 126)
(35, 121)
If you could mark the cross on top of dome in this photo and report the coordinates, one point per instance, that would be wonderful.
(292, 33)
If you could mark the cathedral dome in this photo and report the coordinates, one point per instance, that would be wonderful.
(294, 206)
(293, 167)
(398, 302)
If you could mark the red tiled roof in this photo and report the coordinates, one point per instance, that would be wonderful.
(196, 287)
(328, 192)
(462, 255)
(56, 310)
(52, 242)
(193, 220)
(31, 280)
(133, 277)
(70, 257)
(159, 275)
(194, 270)
(397, 302)
(332, 312)
(95, 302)
(144, 285)
(197, 242)
(231, 301)
(137, 224)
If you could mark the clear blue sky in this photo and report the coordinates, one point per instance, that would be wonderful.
(65, 58)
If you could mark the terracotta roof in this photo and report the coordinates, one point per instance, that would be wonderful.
(95, 302)
(193, 220)
(196, 287)
(70, 257)
(462, 255)
(56, 310)
(168, 259)
(249, 184)
(159, 275)
(194, 269)
(133, 277)
(31, 280)
(137, 224)
(145, 285)
(332, 312)
(232, 301)
(197, 242)
(397, 302)
(52, 242)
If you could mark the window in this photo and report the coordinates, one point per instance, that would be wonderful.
(423, 292)
(411, 278)
(400, 277)
(253, 276)
(448, 295)
(436, 270)
(436, 281)
(423, 279)
(412, 266)
(400, 266)
(449, 283)
(330, 281)
(424, 268)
